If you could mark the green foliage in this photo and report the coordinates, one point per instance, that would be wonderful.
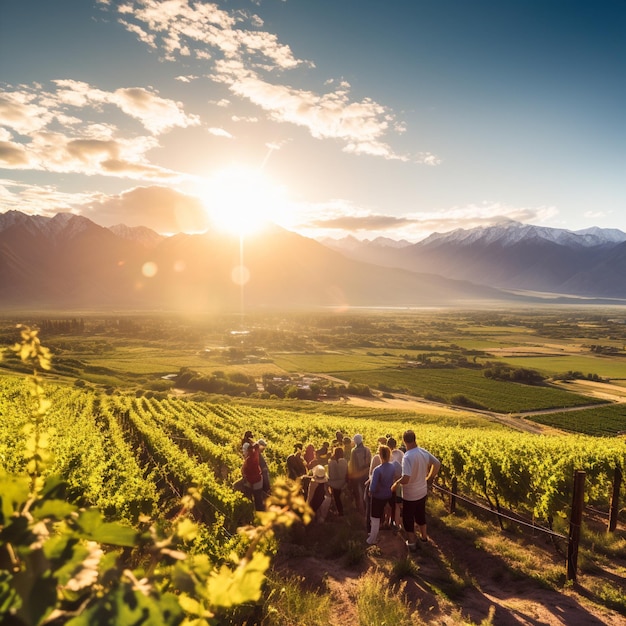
(68, 564)
(234, 383)
(499, 371)
(355, 552)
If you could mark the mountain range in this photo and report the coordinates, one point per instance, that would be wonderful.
(70, 262)
(587, 263)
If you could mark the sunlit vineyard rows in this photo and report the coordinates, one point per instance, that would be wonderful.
(132, 455)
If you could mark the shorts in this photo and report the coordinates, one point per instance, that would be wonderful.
(413, 512)
(378, 506)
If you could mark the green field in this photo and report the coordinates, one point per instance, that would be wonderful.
(445, 384)
(585, 363)
(332, 362)
(133, 353)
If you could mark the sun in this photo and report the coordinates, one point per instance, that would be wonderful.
(241, 200)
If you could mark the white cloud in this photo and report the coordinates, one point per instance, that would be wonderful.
(161, 208)
(20, 111)
(245, 52)
(40, 199)
(85, 146)
(340, 218)
(362, 125)
(244, 118)
(14, 156)
(220, 132)
(155, 113)
(186, 79)
(596, 215)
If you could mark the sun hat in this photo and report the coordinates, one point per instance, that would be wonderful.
(358, 439)
(261, 442)
(319, 474)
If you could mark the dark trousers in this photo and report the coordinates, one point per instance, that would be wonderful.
(337, 497)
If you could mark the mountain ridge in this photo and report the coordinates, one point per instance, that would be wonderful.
(69, 261)
(514, 256)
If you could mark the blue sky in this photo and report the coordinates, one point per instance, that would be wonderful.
(329, 117)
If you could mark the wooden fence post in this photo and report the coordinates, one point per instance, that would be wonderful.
(576, 516)
(614, 510)
(453, 493)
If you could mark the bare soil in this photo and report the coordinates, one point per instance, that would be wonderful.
(459, 577)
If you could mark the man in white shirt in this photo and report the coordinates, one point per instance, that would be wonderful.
(419, 468)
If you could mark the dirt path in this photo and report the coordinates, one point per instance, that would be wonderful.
(457, 582)
(410, 403)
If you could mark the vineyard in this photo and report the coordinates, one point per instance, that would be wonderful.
(130, 455)
(137, 457)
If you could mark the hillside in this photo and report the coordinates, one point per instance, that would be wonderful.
(468, 570)
(70, 262)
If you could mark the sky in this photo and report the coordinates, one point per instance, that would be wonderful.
(328, 117)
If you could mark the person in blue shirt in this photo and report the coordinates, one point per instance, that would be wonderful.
(380, 491)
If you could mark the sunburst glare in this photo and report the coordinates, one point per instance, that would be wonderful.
(241, 200)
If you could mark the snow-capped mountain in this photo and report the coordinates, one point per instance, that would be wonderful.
(67, 224)
(510, 255)
(510, 233)
(141, 234)
(69, 261)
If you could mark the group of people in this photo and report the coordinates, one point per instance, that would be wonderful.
(389, 487)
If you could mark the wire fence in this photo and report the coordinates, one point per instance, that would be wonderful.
(500, 514)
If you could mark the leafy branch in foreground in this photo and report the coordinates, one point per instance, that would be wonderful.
(61, 564)
(33, 354)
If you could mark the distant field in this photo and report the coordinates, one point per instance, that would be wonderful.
(146, 361)
(600, 421)
(585, 363)
(332, 362)
(445, 384)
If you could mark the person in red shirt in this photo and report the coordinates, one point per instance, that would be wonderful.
(251, 471)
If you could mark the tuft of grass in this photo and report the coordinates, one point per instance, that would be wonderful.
(460, 620)
(601, 542)
(378, 602)
(612, 597)
(405, 568)
(355, 552)
(289, 602)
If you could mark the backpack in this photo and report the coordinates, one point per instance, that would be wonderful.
(359, 461)
(318, 496)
